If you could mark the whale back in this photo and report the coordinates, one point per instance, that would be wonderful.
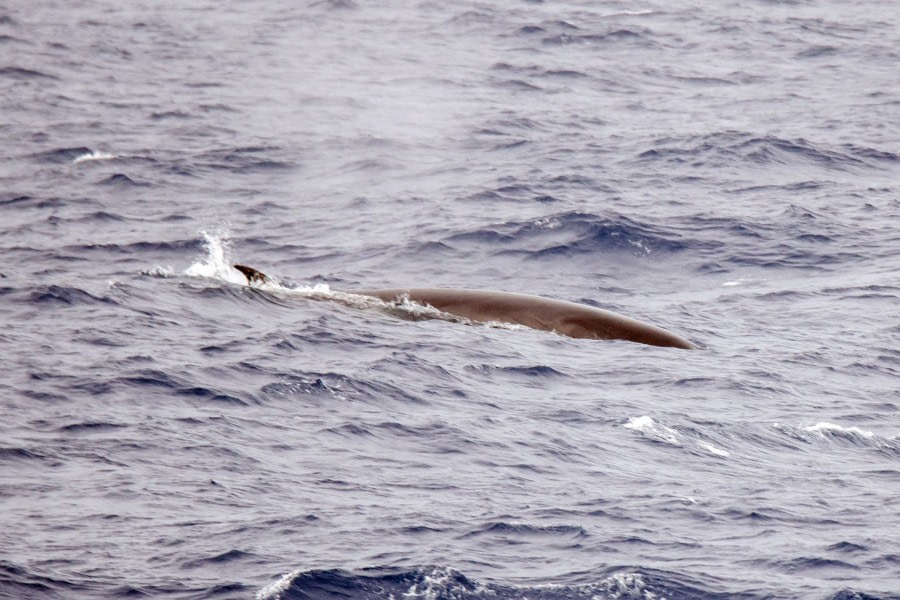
(545, 314)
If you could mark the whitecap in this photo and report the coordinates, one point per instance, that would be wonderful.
(159, 271)
(625, 585)
(631, 13)
(713, 450)
(434, 585)
(825, 428)
(827, 431)
(274, 590)
(654, 430)
(93, 155)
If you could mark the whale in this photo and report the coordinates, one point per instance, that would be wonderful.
(566, 318)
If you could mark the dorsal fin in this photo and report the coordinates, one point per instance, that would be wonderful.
(252, 275)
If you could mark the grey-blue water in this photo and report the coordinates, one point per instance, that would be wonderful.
(727, 170)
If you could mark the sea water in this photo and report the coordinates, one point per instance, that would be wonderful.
(729, 171)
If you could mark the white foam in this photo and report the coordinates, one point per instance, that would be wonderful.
(625, 585)
(654, 430)
(159, 271)
(548, 222)
(640, 244)
(824, 428)
(633, 13)
(274, 590)
(509, 326)
(432, 586)
(713, 450)
(827, 431)
(94, 155)
(668, 435)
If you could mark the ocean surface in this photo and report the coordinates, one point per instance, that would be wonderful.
(727, 170)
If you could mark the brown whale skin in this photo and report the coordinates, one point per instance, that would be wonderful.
(545, 314)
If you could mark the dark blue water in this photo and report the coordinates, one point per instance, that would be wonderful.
(729, 171)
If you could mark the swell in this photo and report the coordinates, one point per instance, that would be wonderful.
(443, 583)
(61, 295)
(741, 148)
(17, 581)
(335, 385)
(826, 434)
(168, 384)
(573, 233)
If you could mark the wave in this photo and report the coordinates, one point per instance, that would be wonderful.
(246, 160)
(93, 155)
(177, 246)
(720, 149)
(538, 71)
(17, 454)
(799, 238)
(573, 233)
(170, 114)
(507, 529)
(854, 595)
(96, 216)
(123, 181)
(65, 295)
(178, 386)
(16, 581)
(671, 436)
(336, 4)
(337, 386)
(532, 372)
(442, 583)
(654, 431)
(19, 581)
(61, 155)
(90, 427)
(24, 74)
(852, 437)
(618, 35)
(218, 559)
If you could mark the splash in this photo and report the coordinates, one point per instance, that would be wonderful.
(217, 262)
